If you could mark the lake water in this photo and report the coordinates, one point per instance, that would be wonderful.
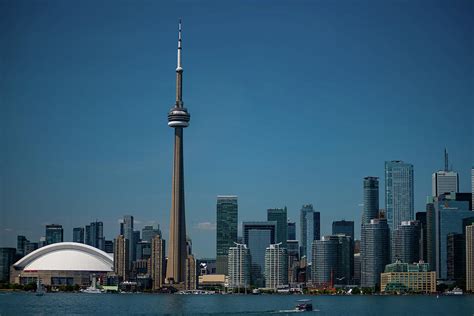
(152, 304)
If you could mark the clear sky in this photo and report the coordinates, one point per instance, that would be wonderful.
(291, 102)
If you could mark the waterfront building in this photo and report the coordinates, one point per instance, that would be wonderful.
(258, 236)
(405, 242)
(310, 230)
(279, 215)
(470, 258)
(276, 266)
(357, 267)
(239, 267)
(291, 230)
(121, 258)
(156, 261)
(54, 234)
(178, 119)
(333, 260)
(21, 242)
(449, 212)
(226, 229)
(422, 242)
(430, 233)
(191, 273)
(94, 235)
(65, 263)
(401, 277)
(293, 259)
(375, 251)
(127, 228)
(206, 266)
(343, 227)
(399, 196)
(456, 259)
(371, 199)
(78, 234)
(7, 258)
(149, 232)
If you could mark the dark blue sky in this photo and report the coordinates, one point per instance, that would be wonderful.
(292, 102)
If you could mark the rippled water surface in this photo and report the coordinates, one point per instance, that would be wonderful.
(152, 304)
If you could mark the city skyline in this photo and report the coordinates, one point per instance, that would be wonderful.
(99, 150)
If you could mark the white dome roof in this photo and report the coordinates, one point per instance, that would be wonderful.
(66, 256)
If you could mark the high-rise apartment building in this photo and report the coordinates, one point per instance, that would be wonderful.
(405, 242)
(276, 266)
(156, 262)
(310, 230)
(399, 192)
(78, 234)
(54, 234)
(333, 260)
(258, 236)
(239, 267)
(21, 242)
(121, 258)
(343, 227)
(226, 229)
(371, 199)
(374, 251)
(279, 215)
(291, 230)
(470, 258)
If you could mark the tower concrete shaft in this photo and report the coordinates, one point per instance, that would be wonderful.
(178, 118)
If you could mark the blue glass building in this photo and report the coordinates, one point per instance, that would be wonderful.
(399, 196)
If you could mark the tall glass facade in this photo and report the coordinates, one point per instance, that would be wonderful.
(343, 228)
(399, 194)
(371, 199)
(374, 251)
(279, 215)
(291, 231)
(78, 234)
(226, 230)
(54, 234)
(310, 230)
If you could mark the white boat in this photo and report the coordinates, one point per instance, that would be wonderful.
(40, 290)
(93, 288)
(455, 291)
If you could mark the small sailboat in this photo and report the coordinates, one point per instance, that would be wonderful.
(39, 288)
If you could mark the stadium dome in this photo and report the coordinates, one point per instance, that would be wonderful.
(66, 256)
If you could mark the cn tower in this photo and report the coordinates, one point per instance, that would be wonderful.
(178, 118)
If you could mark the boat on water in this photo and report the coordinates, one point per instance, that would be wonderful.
(455, 291)
(40, 290)
(93, 288)
(304, 305)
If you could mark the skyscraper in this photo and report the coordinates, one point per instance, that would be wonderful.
(470, 258)
(333, 260)
(374, 251)
(444, 181)
(239, 266)
(343, 228)
(279, 215)
(472, 188)
(121, 257)
(449, 212)
(157, 260)
(276, 266)
(226, 229)
(258, 236)
(405, 242)
(422, 241)
(399, 196)
(310, 230)
(127, 227)
(149, 232)
(21, 242)
(371, 199)
(78, 234)
(178, 118)
(94, 235)
(54, 234)
(291, 230)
